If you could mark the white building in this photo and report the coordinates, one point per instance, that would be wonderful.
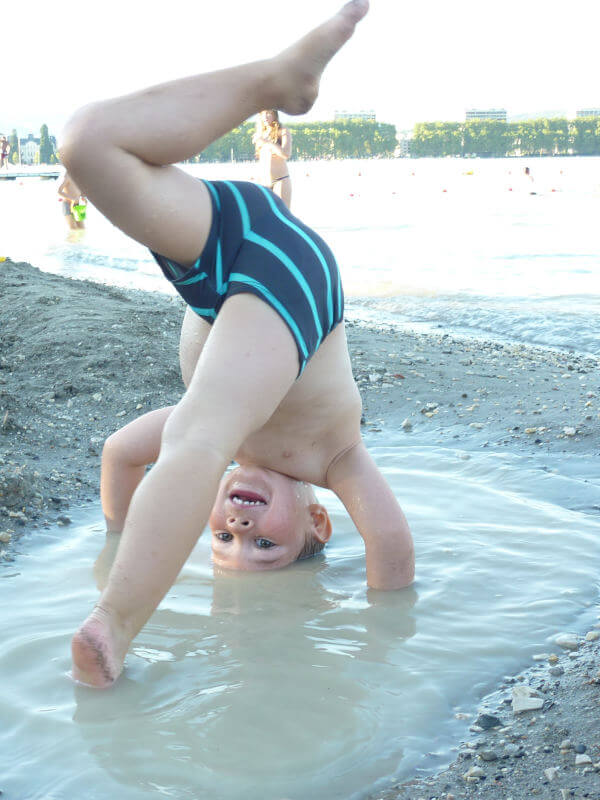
(588, 112)
(30, 150)
(486, 113)
(342, 115)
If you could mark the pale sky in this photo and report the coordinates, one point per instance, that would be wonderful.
(409, 61)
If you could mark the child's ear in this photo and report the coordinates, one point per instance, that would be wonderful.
(321, 524)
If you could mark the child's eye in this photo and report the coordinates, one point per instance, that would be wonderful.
(224, 536)
(264, 544)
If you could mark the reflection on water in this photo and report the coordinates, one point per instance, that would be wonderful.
(299, 682)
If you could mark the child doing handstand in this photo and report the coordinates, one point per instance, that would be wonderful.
(272, 385)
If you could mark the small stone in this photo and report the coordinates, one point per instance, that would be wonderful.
(551, 773)
(5, 537)
(487, 721)
(97, 397)
(120, 413)
(566, 744)
(474, 772)
(580, 748)
(541, 657)
(374, 377)
(556, 671)
(488, 755)
(567, 641)
(63, 519)
(553, 658)
(524, 698)
(407, 425)
(591, 636)
(568, 431)
(477, 425)
(582, 759)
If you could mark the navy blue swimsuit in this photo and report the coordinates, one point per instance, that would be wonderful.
(257, 245)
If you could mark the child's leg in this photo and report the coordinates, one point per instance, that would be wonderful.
(246, 368)
(117, 150)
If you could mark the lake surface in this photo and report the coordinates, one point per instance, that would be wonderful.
(301, 682)
(457, 244)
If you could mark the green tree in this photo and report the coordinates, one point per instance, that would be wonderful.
(13, 141)
(46, 149)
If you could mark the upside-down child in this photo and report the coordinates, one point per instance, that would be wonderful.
(272, 383)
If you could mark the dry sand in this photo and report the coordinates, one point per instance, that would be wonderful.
(78, 360)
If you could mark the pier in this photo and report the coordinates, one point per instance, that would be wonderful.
(12, 176)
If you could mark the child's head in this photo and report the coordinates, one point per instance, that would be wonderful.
(263, 520)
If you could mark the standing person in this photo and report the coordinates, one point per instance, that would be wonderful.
(273, 144)
(272, 384)
(4, 152)
(73, 203)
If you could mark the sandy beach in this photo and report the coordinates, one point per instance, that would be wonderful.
(79, 359)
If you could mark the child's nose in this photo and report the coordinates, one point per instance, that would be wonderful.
(240, 522)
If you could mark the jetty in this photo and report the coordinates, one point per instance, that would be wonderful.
(12, 176)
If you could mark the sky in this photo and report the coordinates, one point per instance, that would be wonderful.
(409, 61)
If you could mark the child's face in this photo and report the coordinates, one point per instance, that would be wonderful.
(259, 520)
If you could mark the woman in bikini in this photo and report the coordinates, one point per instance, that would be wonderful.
(273, 145)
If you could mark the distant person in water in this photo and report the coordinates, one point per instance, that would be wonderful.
(270, 381)
(530, 180)
(273, 144)
(73, 203)
(4, 152)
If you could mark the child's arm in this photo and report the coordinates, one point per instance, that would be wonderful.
(125, 456)
(363, 490)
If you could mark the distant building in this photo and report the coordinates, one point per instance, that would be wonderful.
(30, 149)
(342, 115)
(486, 113)
(588, 112)
(403, 148)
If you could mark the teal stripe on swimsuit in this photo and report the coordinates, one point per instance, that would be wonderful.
(205, 312)
(193, 279)
(251, 236)
(246, 227)
(238, 277)
(312, 245)
(287, 262)
(214, 193)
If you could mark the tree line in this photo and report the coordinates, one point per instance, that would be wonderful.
(353, 138)
(494, 138)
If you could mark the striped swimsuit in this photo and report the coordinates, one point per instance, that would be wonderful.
(257, 246)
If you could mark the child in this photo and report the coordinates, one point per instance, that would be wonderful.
(272, 386)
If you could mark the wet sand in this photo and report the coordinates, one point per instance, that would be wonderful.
(78, 360)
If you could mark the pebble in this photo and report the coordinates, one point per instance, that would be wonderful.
(582, 759)
(541, 657)
(567, 641)
(63, 519)
(551, 773)
(487, 721)
(524, 698)
(591, 636)
(556, 671)
(407, 425)
(568, 431)
(580, 748)
(488, 755)
(5, 537)
(474, 772)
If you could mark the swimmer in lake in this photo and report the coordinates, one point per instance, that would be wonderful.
(273, 143)
(272, 385)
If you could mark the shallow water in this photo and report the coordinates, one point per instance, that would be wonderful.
(300, 682)
(419, 241)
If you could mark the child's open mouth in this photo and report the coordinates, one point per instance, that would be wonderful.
(241, 497)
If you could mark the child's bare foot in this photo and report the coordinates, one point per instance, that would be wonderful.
(299, 68)
(98, 650)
